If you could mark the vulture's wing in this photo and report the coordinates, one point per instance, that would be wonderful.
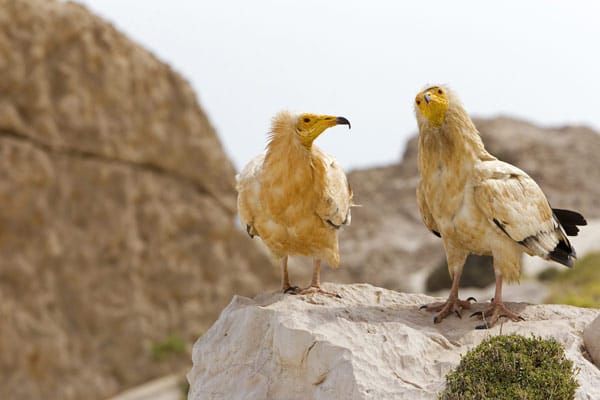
(335, 203)
(425, 213)
(512, 201)
(248, 187)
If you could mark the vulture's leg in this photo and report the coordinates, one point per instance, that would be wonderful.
(286, 287)
(492, 313)
(453, 304)
(315, 284)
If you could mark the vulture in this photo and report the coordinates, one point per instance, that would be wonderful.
(478, 204)
(295, 197)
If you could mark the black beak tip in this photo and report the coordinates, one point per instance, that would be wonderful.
(343, 121)
(427, 98)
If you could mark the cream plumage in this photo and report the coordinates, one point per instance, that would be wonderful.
(479, 204)
(295, 197)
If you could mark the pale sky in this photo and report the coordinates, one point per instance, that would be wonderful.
(366, 60)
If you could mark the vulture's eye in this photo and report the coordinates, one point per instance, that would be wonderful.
(440, 91)
(418, 102)
(306, 119)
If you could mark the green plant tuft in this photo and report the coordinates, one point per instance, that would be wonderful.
(171, 345)
(509, 367)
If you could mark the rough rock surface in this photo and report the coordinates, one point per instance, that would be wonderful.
(591, 338)
(371, 344)
(388, 245)
(117, 216)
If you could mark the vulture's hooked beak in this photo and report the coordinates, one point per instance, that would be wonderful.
(342, 121)
(427, 97)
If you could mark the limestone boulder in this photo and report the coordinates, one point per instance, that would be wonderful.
(372, 343)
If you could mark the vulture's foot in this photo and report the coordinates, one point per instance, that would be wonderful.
(450, 306)
(492, 313)
(317, 289)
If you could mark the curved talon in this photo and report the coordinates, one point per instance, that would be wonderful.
(291, 290)
(453, 305)
(472, 298)
(337, 296)
(494, 312)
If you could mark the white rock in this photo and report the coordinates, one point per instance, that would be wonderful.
(371, 344)
(591, 338)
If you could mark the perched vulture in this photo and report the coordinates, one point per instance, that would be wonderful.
(479, 204)
(295, 197)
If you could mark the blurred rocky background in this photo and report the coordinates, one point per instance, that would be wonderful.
(118, 240)
(119, 243)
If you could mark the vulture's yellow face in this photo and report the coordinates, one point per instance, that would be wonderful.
(432, 103)
(310, 126)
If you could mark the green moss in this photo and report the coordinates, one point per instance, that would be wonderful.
(579, 286)
(171, 345)
(509, 367)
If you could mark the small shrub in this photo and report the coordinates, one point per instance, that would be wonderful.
(509, 367)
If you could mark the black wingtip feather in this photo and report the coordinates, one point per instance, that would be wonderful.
(563, 253)
(569, 217)
(569, 220)
(561, 257)
(570, 230)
